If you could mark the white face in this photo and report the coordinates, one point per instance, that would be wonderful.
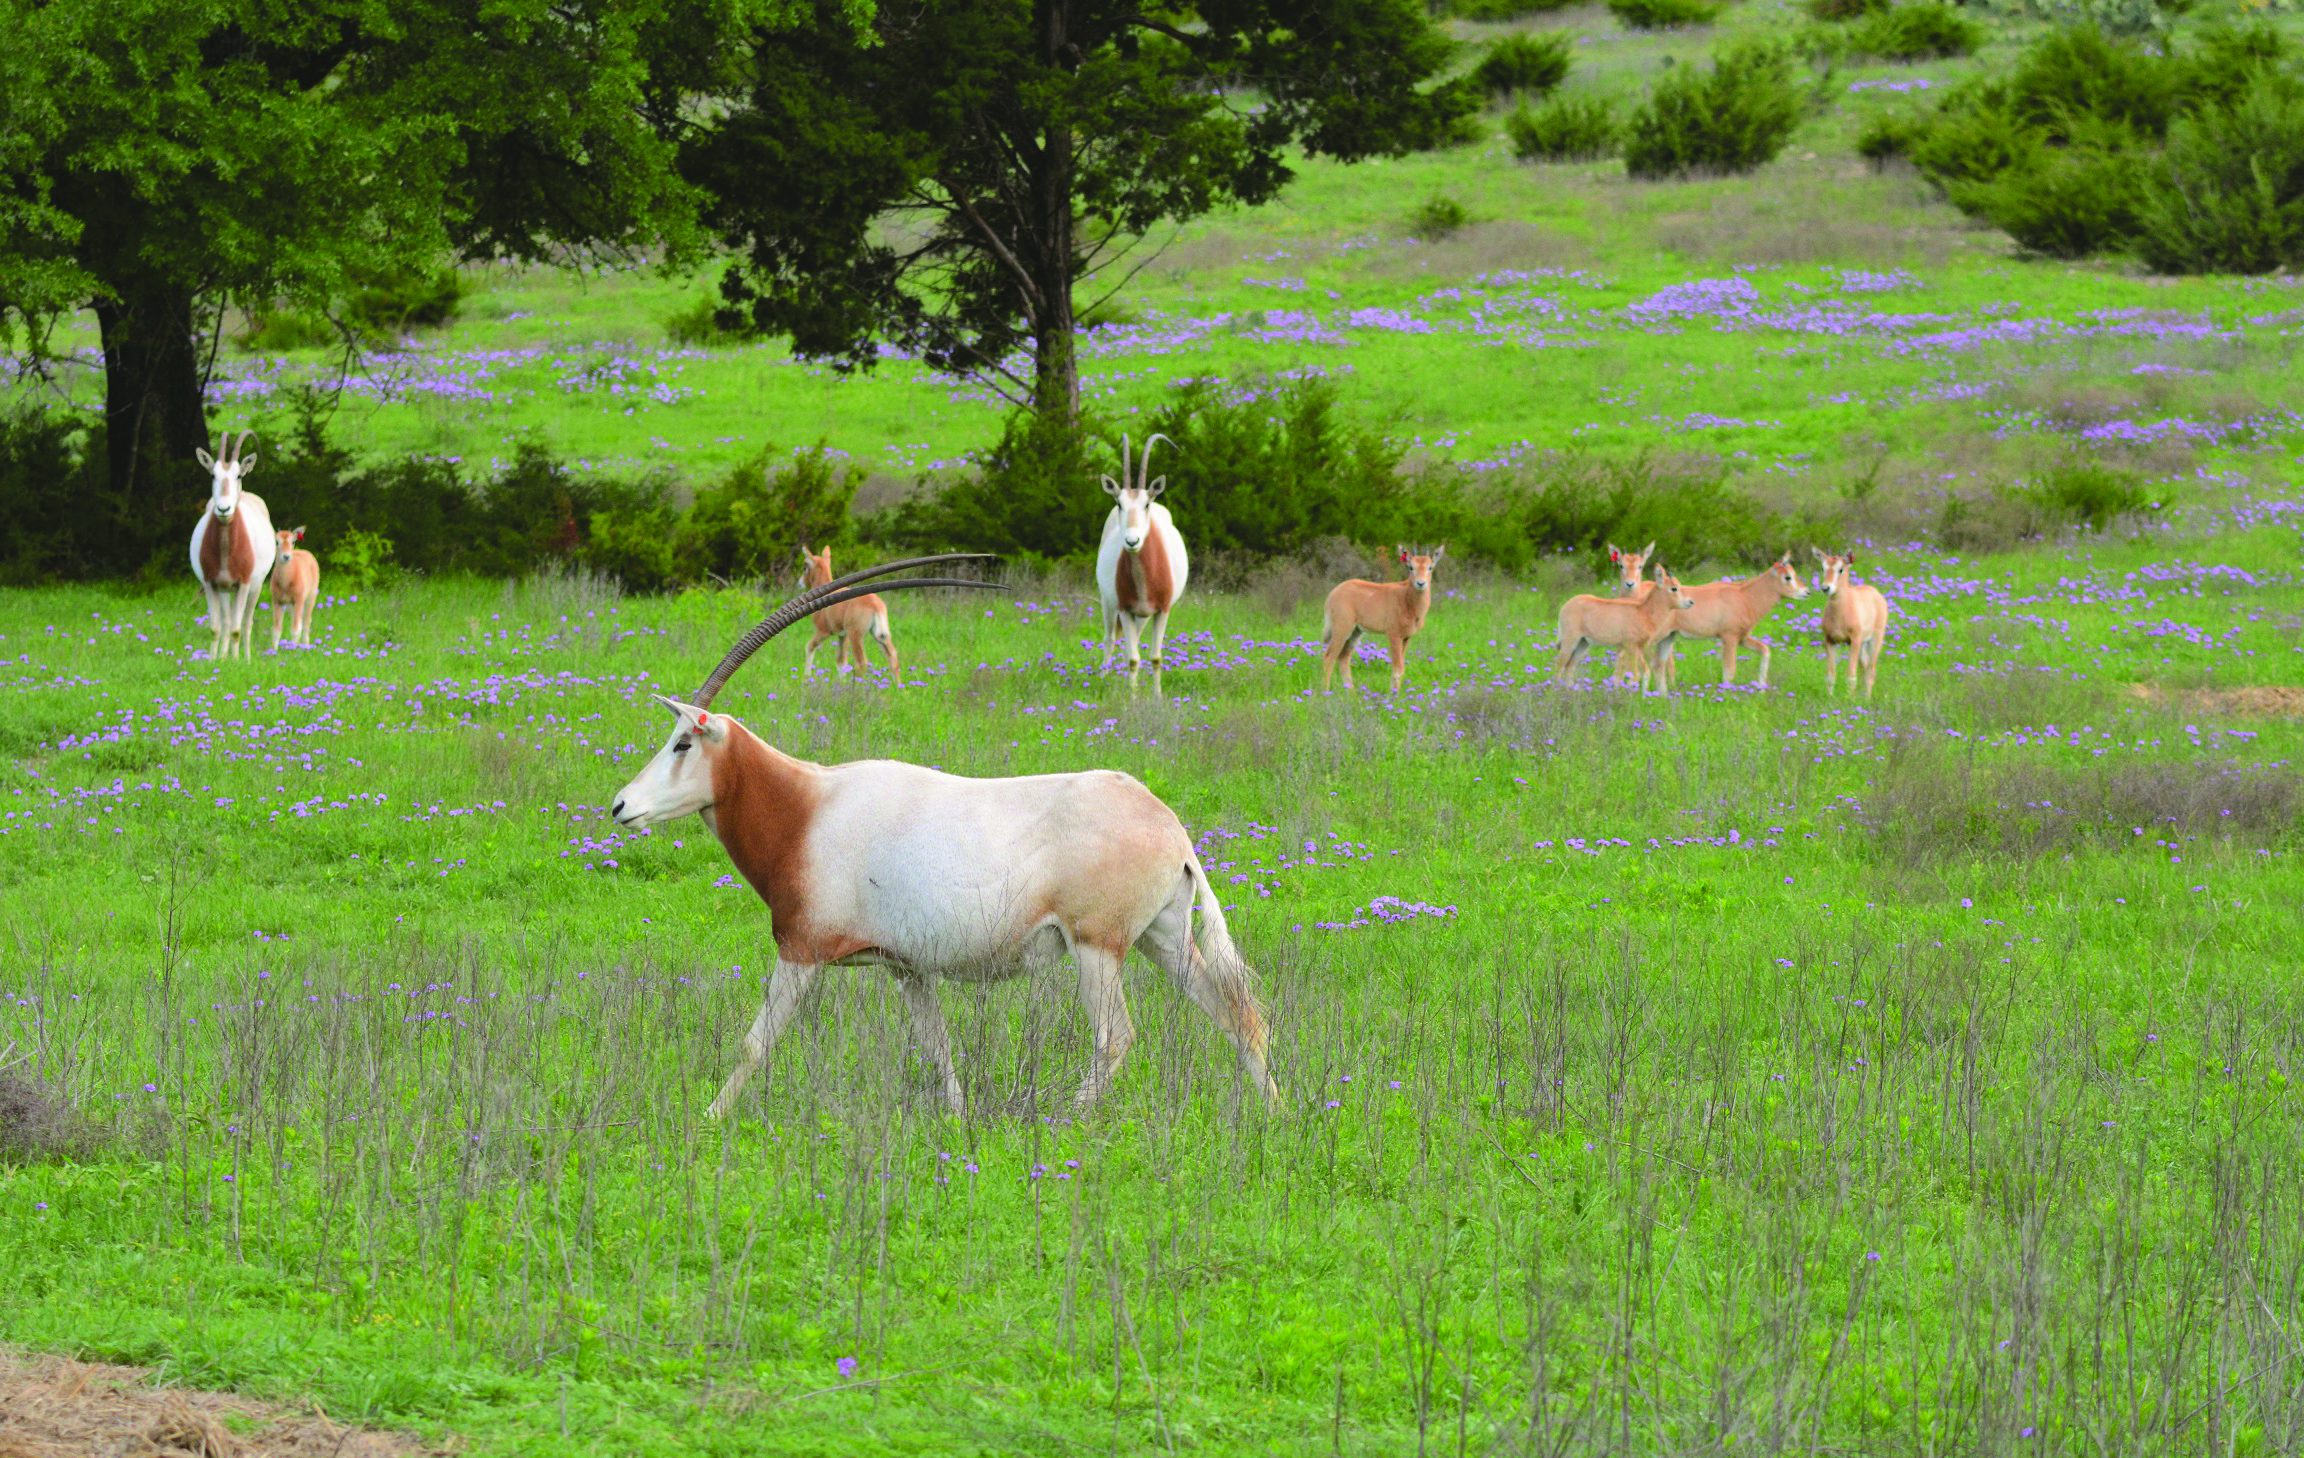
(678, 781)
(1135, 510)
(224, 483)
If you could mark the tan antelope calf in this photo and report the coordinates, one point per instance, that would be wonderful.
(930, 875)
(1629, 566)
(1729, 610)
(851, 622)
(1854, 615)
(1395, 609)
(295, 587)
(1630, 625)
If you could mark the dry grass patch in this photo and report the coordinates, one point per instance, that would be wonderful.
(54, 1407)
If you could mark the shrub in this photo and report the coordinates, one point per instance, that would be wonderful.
(1437, 217)
(1663, 14)
(1565, 129)
(2227, 195)
(1034, 492)
(752, 523)
(360, 560)
(1918, 32)
(2088, 493)
(698, 323)
(375, 305)
(1732, 118)
(1889, 137)
(1829, 10)
(1523, 64)
(2065, 202)
(1503, 10)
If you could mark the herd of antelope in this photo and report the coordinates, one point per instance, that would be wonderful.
(930, 875)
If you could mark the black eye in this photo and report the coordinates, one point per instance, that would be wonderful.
(680, 746)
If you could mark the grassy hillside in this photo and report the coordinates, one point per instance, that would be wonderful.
(1733, 1070)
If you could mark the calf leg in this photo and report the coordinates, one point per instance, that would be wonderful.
(928, 1026)
(279, 610)
(887, 641)
(1728, 643)
(1397, 646)
(1831, 669)
(1102, 995)
(808, 658)
(1766, 653)
(1871, 665)
(1344, 656)
(789, 983)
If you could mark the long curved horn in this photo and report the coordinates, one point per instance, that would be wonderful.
(240, 446)
(223, 445)
(1123, 458)
(816, 599)
(1144, 472)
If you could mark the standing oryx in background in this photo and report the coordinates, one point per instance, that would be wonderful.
(848, 623)
(233, 548)
(930, 875)
(295, 588)
(1395, 609)
(1855, 618)
(1140, 567)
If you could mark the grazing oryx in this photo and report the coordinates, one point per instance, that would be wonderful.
(1630, 625)
(1629, 566)
(1729, 610)
(931, 875)
(1395, 609)
(295, 587)
(232, 548)
(850, 622)
(1855, 615)
(1140, 566)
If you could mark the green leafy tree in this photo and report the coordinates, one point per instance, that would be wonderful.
(164, 158)
(941, 181)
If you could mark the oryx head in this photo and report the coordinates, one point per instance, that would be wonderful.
(1629, 566)
(1832, 569)
(680, 780)
(815, 567)
(1135, 496)
(1670, 586)
(225, 468)
(1787, 580)
(1420, 561)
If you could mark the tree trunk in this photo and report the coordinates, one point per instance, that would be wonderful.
(155, 416)
(1055, 359)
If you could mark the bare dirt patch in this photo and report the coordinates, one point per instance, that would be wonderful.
(2260, 698)
(53, 1407)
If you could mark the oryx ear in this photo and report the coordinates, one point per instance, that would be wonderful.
(1438, 553)
(1111, 487)
(1648, 551)
(1815, 551)
(207, 461)
(1613, 554)
(299, 534)
(711, 727)
(1159, 484)
(1851, 557)
(1403, 551)
(247, 464)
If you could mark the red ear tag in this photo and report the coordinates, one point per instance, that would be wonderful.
(703, 723)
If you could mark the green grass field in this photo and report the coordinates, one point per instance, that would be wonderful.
(1727, 1071)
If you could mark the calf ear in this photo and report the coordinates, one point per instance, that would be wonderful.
(1438, 553)
(299, 534)
(1613, 554)
(1649, 550)
(1851, 556)
(1403, 551)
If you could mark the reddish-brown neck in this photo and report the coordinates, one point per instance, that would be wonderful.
(763, 804)
(1145, 583)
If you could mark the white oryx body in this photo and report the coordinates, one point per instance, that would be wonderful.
(233, 549)
(1141, 566)
(931, 875)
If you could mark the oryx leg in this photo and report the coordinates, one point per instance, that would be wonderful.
(808, 656)
(1345, 654)
(786, 987)
(1766, 653)
(304, 620)
(1728, 643)
(244, 617)
(215, 620)
(279, 611)
(1832, 670)
(1106, 1002)
(1871, 658)
(887, 642)
(1397, 647)
(1159, 650)
(1564, 662)
(928, 1027)
(1132, 630)
(1218, 987)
